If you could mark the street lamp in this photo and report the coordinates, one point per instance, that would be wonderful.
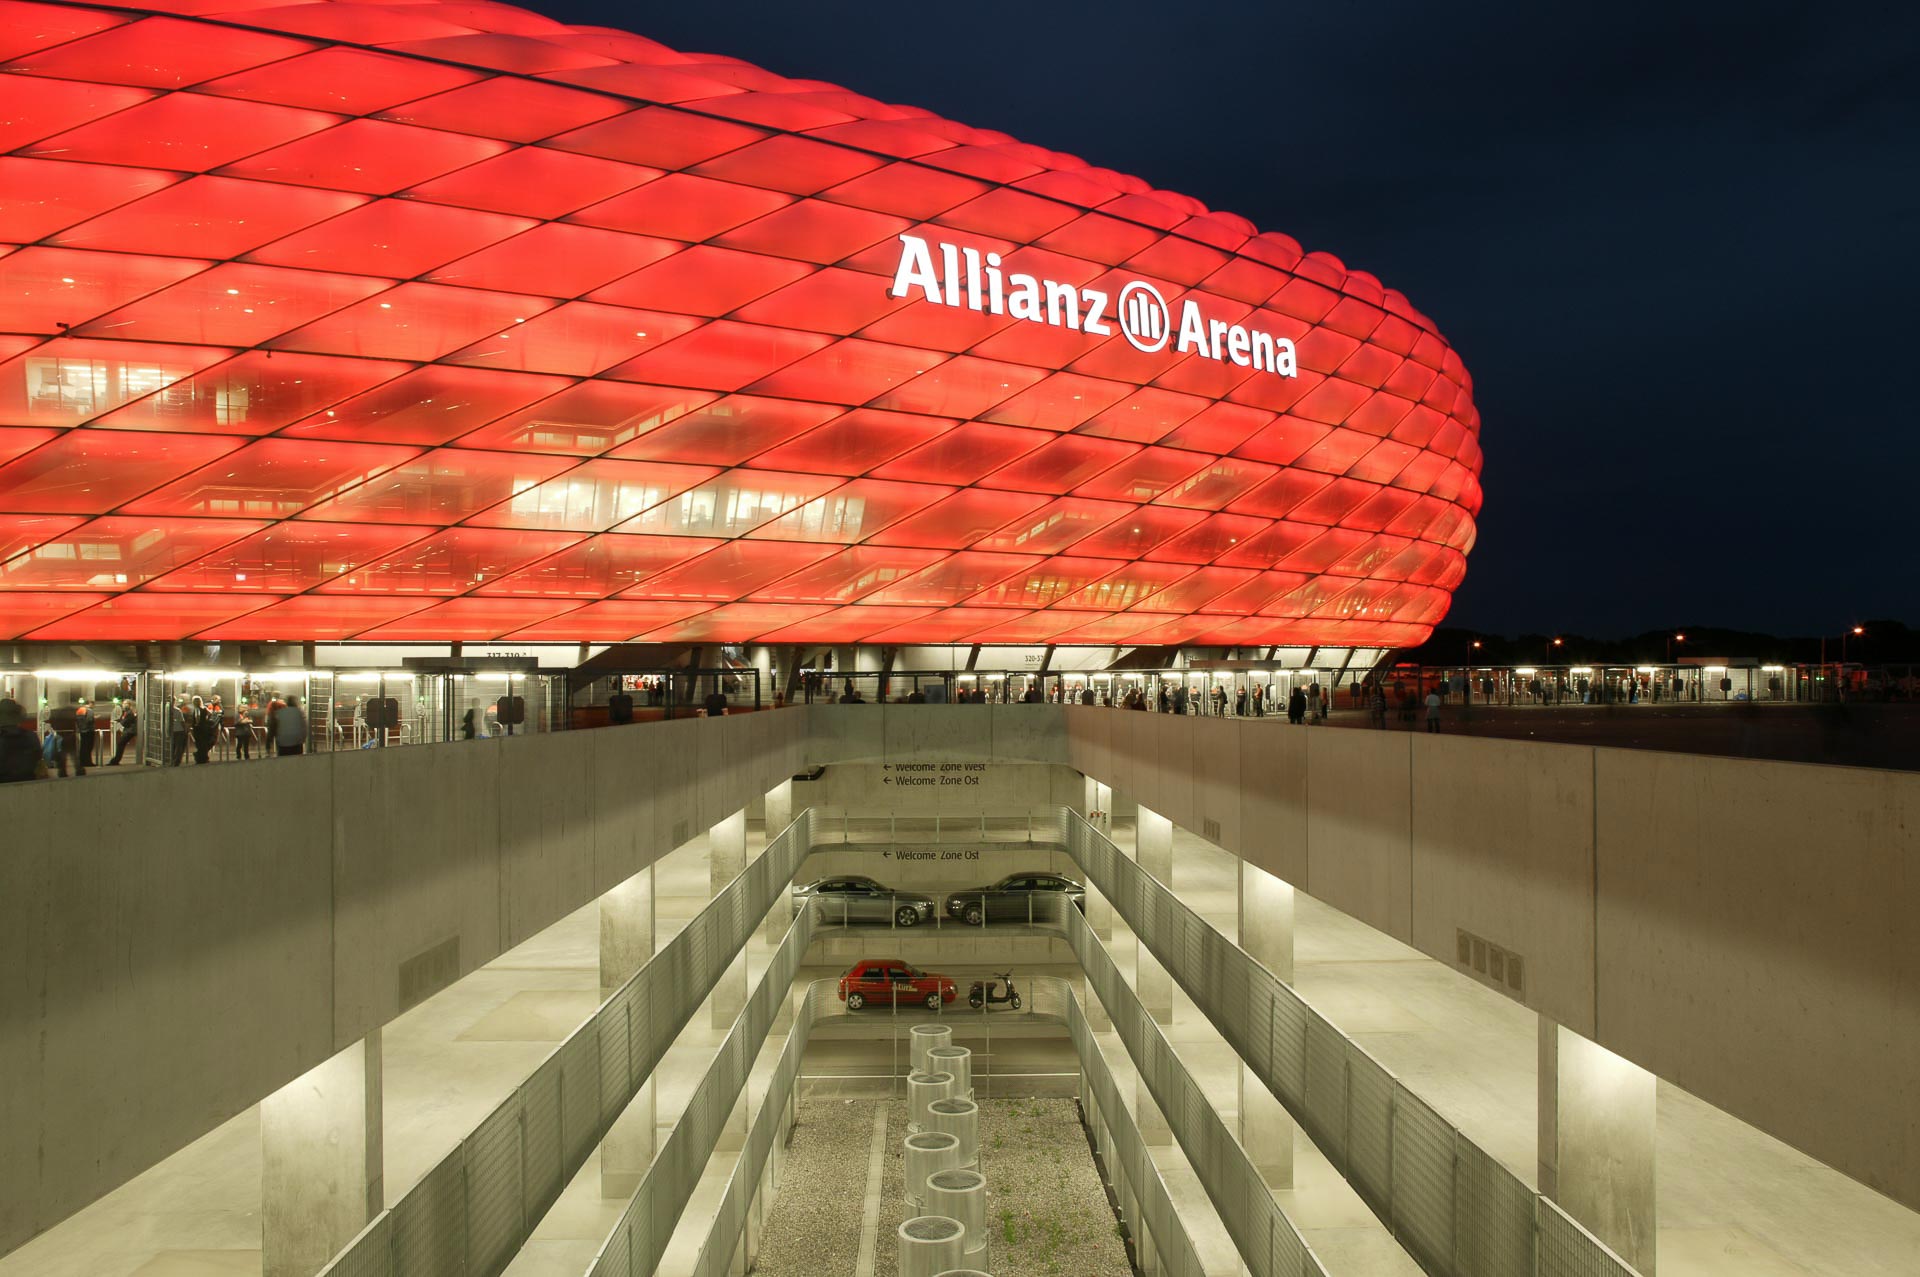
(1671, 640)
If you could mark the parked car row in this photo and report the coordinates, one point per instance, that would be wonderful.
(1019, 897)
(894, 983)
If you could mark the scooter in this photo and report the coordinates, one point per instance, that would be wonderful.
(983, 993)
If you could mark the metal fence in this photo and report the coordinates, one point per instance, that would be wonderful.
(1265, 1237)
(472, 1212)
(1455, 1209)
(646, 1226)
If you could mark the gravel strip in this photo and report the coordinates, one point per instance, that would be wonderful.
(1047, 1207)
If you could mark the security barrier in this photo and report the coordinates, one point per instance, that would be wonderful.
(1455, 1209)
(647, 1225)
(472, 1212)
(1265, 1237)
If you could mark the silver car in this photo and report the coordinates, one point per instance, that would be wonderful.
(852, 898)
(1021, 897)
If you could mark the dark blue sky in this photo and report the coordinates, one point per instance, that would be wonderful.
(1675, 244)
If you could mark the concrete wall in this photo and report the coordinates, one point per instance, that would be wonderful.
(175, 945)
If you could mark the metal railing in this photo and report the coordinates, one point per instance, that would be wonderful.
(640, 1239)
(470, 1214)
(1455, 1208)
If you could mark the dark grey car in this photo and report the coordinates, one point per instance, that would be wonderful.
(851, 898)
(1021, 897)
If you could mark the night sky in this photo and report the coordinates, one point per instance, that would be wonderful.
(1678, 247)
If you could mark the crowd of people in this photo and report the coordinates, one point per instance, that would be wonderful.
(67, 742)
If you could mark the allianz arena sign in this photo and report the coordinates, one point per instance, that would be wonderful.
(968, 278)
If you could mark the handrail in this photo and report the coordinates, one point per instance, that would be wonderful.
(493, 1187)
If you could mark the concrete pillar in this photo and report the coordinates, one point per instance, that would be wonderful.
(779, 803)
(627, 938)
(726, 857)
(321, 1164)
(1266, 933)
(1597, 1141)
(1155, 854)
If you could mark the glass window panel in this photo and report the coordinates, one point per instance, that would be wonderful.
(1016, 215)
(1048, 582)
(413, 321)
(613, 621)
(962, 387)
(69, 380)
(32, 108)
(50, 290)
(854, 511)
(505, 52)
(1036, 627)
(796, 165)
(28, 28)
(732, 505)
(40, 197)
(533, 181)
(723, 355)
(1281, 493)
(450, 562)
(350, 21)
(1256, 592)
(286, 558)
(393, 238)
(1055, 526)
(575, 338)
(730, 571)
(1222, 481)
(370, 156)
(961, 519)
(681, 206)
(1332, 503)
(854, 443)
(948, 626)
(272, 478)
(906, 189)
(21, 532)
(1195, 591)
(729, 430)
(595, 496)
(885, 137)
(1099, 238)
(703, 280)
(1149, 414)
(444, 486)
(600, 566)
(1218, 428)
(145, 616)
(851, 574)
(1144, 475)
(186, 131)
(773, 106)
(1386, 459)
(588, 419)
(314, 617)
(829, 300)
(658, 136)
(253, 393)
(1327, 548)
(1379, 510)
(17, 441)
(27, 612)
(1141, 531)
(1061, 402)
(815, 231)
(734, 623)
(964, 453)
(159, 53)
(1208, 539)
(509, 108)
(1062, 465)
(428, 406)
(1265, 549)
(350, 81)
(955, 578)
(466, 619)
(854, 624)
(849, 371)
(117, 553)
(554, 260)
(209, 217)
(655, 84)
(234, 305)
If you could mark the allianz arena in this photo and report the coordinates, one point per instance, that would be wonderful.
(437, 322)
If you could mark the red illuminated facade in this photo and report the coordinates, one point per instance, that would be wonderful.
(449, 322)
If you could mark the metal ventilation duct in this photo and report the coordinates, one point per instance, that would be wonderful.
(962, 1195)
(959, 1118)
(930, 1245)
(927, 1154)
(957, 1060)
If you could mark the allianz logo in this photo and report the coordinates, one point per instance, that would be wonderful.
(968, 278)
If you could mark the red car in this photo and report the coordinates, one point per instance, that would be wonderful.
(889, 981)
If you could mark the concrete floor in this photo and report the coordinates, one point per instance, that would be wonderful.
(1732, 1201)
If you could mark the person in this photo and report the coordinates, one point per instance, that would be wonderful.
(290, 728)
(1031, 696)
(1313, 702)
(204, 728)
(20, 756)
(717, 701)
(1296, 706)
(1166, 700)
(66, 739)
(83, 731)
(1379, 706)
(1259, 700)
(242, 731)
(176, 731)
(1240, 703)
(1433, 710)
(129, 724)
(473, 725)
